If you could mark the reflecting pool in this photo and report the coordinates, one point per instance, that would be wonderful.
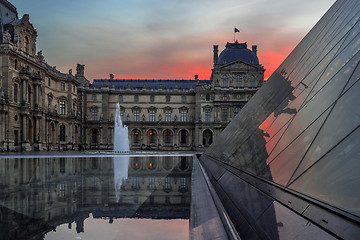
(122, 197)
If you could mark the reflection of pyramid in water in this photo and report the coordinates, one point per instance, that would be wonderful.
(301, 129)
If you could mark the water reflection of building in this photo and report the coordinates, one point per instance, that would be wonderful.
(44, 193)
(43, 108)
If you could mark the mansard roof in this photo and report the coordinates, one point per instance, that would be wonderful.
(148, 84)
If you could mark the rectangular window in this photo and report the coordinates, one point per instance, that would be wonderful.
(152, 98)
(94, 97)
(225, 82)
(136, 115)
(167, 98)
(62, 86)
(167, 115)
(183, 116)
(121, 98)
(152, 115)
(94, 114)
(224, 114)
(62, 107)
(69, 87)
(207, 115)
(252, 82)
(136, 98)
(152, 183)
(238, 81)
(183, 99)
(49, 82)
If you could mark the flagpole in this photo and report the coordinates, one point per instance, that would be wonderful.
(234, 33)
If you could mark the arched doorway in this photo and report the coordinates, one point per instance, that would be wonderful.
(207, 138)
(94, 137)
(168, 137)
(152, 137)
(136, 137)
(183, 134)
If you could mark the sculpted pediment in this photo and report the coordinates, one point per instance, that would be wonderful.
(239, 65)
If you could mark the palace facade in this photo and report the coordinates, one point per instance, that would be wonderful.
(42, 108)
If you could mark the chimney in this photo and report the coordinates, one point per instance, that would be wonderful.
(216, 55)
(254, 49)
(111, 76)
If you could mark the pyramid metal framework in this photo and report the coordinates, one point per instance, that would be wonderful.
(301, 129)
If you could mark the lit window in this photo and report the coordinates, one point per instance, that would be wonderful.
(152, 136)
(62, 107)
(207, 115)
(136, 136)
(152, 115)
(183, 115)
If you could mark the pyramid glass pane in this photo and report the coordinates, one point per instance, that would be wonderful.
(319, 75)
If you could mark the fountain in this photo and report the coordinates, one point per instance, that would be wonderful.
(121, 145)
(121, 135)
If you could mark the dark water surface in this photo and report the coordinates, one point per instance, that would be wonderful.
(120, 197)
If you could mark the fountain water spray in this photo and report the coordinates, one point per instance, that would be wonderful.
(121, 144)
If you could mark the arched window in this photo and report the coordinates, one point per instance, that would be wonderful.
(136, 163)
(62, 133)
(167, 163)
(136, 136)
(168, 136)
(152, 136)
(183, 137)
(151, 164)
(94, 137)
(207, 138)
(183, 164)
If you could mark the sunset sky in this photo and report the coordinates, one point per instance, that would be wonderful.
(164, 39)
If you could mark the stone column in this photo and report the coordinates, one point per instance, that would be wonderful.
(24, 127)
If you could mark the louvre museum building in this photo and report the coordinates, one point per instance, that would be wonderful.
(42, 108)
